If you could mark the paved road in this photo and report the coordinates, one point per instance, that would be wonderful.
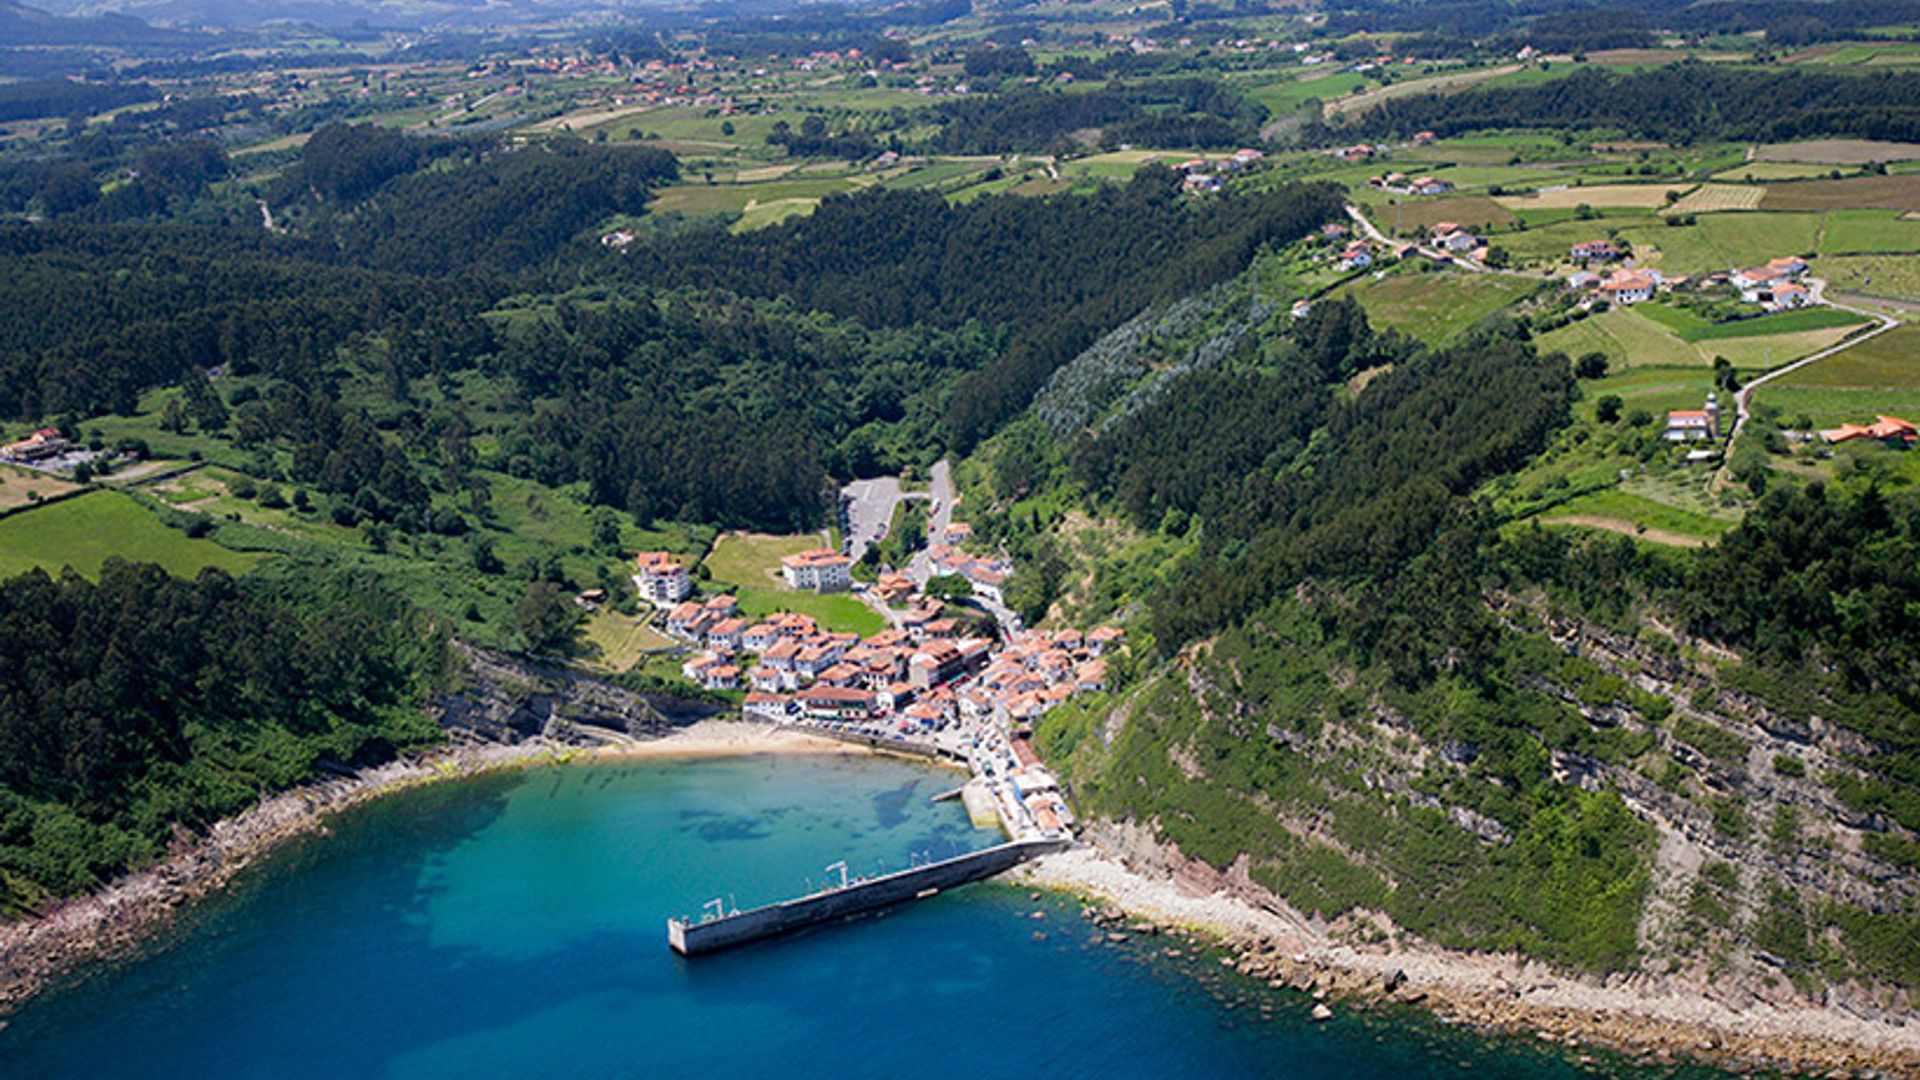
(1817, 289)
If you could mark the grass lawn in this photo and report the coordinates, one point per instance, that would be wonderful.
(748, 565)
(615, 642)
(839, 612)
(752, 560)
(739, 198)
(83, 532)
(1433, 307)
(19, 486)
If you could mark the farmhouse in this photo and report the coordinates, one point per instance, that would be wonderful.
(1356, 257)
(1595, 251)
(39, 446)
(1428, 185)
(1627, 286)
(1693, 425)
(819, 570)
(1891, 430)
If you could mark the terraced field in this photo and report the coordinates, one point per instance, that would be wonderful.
(1716, 198)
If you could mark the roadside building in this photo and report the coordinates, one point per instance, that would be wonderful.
(1692, 425)
(1890, 430)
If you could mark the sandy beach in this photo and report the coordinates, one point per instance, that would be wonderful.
(1658, 1019)
(719, 738)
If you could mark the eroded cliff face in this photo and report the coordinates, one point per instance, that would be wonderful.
(1754, 879)
(502, 698)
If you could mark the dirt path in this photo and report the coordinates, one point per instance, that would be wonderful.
(1627, 528)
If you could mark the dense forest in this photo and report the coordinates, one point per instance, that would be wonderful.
(145, 704)
(1160, 112)
(1679, 103)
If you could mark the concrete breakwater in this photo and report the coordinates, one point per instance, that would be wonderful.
(693, 938)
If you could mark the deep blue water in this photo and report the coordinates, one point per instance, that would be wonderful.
(514, 926)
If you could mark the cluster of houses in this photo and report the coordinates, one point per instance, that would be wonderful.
(1401, 184)
(1774, 285)
(1202, 176)
(39, 446)
(987, 576)
(1452, 238)
(919, 679)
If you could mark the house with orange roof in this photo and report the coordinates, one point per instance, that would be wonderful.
(1891, 430)
(1693, 425)
(660, 578)
(818, 570)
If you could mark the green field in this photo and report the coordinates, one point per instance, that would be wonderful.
(839, 612)
(1890, 360)
(1433, 307)
(752, 560)
(1783, 322)
(1868, 232)
(1892, 276)
(1639, 509)
(614, 642)
(84, 531)
(1828, 407)
(1721, 241)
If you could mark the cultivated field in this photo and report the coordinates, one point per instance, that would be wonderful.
(84, 531)
(1721, 241)
(1713, 198)
(1889, 361)
(1896, 277)
(1631, 339)
(1896, 192)
(1625, 196)
(1451, 83)
(1838, 151)
(1409, 214)
(19, 487)
(1773, 170)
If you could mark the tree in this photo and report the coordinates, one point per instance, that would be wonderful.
(484, 558)
(173, 416)
(606, 531)
(545, 616)
(1607, 409)
(949, 587)
(1591, 366)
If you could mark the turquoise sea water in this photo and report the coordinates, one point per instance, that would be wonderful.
(514, 926)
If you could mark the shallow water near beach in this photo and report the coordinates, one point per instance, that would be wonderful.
(514, 925)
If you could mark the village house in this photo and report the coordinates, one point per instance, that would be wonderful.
(818, 570)
(840, 703)
(894, 590)
(767, 706)
(1429, 185)
(1890, 430)
(39, 446)
(1452, 238)
(660, 579)
(1693, 425)
(1627, 287)
(1356, 257)
(1423, 138)
(1595, 251)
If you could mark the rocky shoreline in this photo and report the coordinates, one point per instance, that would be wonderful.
(1132, 883)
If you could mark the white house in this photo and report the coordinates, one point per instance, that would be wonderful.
(1693, 425)
(1356, 257)
(1627, 287)
(819, 570)
(660, 579)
